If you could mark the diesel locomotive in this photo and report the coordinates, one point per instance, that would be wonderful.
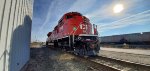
(74, 33)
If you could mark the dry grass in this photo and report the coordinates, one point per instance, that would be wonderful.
(36, 44)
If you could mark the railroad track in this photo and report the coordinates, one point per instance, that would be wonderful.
(119, 64)
(113, 64)
(95, 66)
(102, 63)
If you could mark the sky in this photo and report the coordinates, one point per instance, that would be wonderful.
(134, 18)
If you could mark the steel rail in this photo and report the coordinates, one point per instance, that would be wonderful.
(120, 64)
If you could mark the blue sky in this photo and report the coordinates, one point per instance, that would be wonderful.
(135, 17)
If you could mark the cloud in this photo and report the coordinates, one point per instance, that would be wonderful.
(48, 15)
(55, 8)
(106, 10)
(101, 12)
(82, 6)
(139, 18)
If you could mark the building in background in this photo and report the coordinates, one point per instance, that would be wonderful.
(15, 33)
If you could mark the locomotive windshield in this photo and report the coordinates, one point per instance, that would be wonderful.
(69, 16)
(72, 15)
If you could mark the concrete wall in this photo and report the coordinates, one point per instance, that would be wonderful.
(15, 33)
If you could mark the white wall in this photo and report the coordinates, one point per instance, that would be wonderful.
(15, 33)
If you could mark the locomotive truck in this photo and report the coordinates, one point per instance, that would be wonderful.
(74, 33)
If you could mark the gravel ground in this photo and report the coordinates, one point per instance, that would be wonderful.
(138, 58)
(46, 59)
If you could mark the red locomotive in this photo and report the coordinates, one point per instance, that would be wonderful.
(74, 33)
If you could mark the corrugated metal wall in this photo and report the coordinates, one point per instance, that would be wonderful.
(15, 33)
